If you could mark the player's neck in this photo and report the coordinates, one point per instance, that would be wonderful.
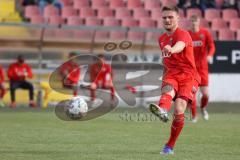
(169, 32)
(195, 29)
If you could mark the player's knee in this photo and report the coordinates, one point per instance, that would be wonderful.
(168, 89)
(205, 92)
(180, 106)
(205, 95)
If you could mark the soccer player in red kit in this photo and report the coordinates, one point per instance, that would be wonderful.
(204, 49)
(179, 74)
(17, 74)
(101, 77)
(2, 87)
(70, 72)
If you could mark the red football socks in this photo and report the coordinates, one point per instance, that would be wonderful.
(177, 125)
(165, 102)
(204, 101)
(194, 108)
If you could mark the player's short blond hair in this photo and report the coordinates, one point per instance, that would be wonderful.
(195, 17)
(170, 8)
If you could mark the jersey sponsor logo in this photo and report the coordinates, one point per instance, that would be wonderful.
(197, 43)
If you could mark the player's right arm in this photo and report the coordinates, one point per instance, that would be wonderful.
(183, 39)
(177, 48)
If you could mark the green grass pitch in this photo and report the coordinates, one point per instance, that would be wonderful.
(27, 134)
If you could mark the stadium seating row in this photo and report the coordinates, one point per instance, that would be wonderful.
(132, 13)
(222, 34)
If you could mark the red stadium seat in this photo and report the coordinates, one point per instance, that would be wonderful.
(99, 3)
(213, 33)
(160, 23)
(169, 2)
(218, 24)
(117, 35)
(87, 12)
(127, 22)
(136, 36)
(234, 24)
(139, 13)
(238, 35)
(219, 3)
(184, 23)
(181, 13)
(74, 21)
(66, 2)
(204, 23)
(226, 35)
(152, 36)
(37, 20)
(50, 10)
(122, 13)
(92, 21)
(116, 4)
(147, 23)
(111, 22)
(150, 4)
(228, 14)
(211, 13)
(69, 11)
(105, 12)
(131, 4)
(78, 4)
(56, 20)
(193, 11)
(156, 14)
(31, 10)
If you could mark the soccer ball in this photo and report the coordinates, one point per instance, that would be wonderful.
(77, 106)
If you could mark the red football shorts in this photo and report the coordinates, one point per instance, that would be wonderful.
(184, 85)
(203, 73)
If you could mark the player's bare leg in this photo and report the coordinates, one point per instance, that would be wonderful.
(193, 107)
(161, 110)
(204, 101)
(177, 125)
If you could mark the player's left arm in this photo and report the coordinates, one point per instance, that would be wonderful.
(210, 44)
(29, 71)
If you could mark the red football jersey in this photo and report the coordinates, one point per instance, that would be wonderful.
(178, 62)
(1, 75)
(101, 73)
(18, 72)
(71, 71)
(203, 45)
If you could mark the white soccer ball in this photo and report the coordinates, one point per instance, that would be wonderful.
(77, 105)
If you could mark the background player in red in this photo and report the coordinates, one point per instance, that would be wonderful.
(101, 77)
(17, 74)
(204, 49)
(179, 74)
(70, 72)
(2, 87)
